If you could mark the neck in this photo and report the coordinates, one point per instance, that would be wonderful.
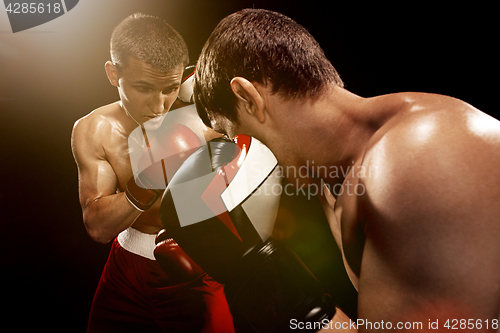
(347, 129)
(130, 116)
(334, 130)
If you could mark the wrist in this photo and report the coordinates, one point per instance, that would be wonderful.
(131, 202)
(140, 197)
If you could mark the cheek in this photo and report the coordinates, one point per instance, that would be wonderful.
(128, 94)
(125, 94)
(132, 98)
(169, 101)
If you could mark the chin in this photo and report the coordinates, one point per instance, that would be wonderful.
(155, 123)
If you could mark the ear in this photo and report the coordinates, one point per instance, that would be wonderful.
(249, 96)
(112, 73)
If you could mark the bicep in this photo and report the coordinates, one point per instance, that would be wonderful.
(96, 177)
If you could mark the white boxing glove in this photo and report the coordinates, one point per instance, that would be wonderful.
(186, 88)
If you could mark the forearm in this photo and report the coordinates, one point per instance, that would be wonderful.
(107, 216)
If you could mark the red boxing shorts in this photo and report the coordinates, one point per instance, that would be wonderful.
(134, 295)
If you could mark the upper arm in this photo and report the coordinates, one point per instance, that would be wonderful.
(96, 177)
(431, 223)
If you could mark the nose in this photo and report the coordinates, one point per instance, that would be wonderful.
(157, 104)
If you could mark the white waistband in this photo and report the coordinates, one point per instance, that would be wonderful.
(138, 242)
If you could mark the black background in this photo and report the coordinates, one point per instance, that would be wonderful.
(53, 74)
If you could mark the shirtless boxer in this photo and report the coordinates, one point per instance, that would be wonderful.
(420, 233)
(134, 293)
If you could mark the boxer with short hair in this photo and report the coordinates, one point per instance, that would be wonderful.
(420, 234)
(134, 293)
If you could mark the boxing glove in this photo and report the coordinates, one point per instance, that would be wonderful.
(220, 207)
(186, 88)
(172, 144)
(174, 261)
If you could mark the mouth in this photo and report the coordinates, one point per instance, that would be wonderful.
(154, 120)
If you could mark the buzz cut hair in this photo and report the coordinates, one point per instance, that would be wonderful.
(149, 39)
(264, 47)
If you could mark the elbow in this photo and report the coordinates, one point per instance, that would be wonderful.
(97, 234)
(99, 237)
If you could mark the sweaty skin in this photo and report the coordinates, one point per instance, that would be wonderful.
(424, 236)
(417, 215)
(100, 147)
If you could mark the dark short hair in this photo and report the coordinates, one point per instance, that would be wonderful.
(150, 40)
(264, 47)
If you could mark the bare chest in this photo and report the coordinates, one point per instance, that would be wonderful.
(116, 148)
(121, 153)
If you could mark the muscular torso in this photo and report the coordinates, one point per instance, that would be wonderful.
(117, 153)
(102, 153)
(116, 146)
(420, 225)
(109, 147)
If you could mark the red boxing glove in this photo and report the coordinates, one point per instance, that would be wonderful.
(140, 192)
(174, 261)
(173, 144)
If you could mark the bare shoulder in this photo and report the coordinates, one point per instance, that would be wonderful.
(96, 122)
(440, 150)
(90, 131)
(98, 117)
(431, 209)
(435, 136)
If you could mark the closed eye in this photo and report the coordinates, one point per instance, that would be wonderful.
(170, 90)
(143, 88)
